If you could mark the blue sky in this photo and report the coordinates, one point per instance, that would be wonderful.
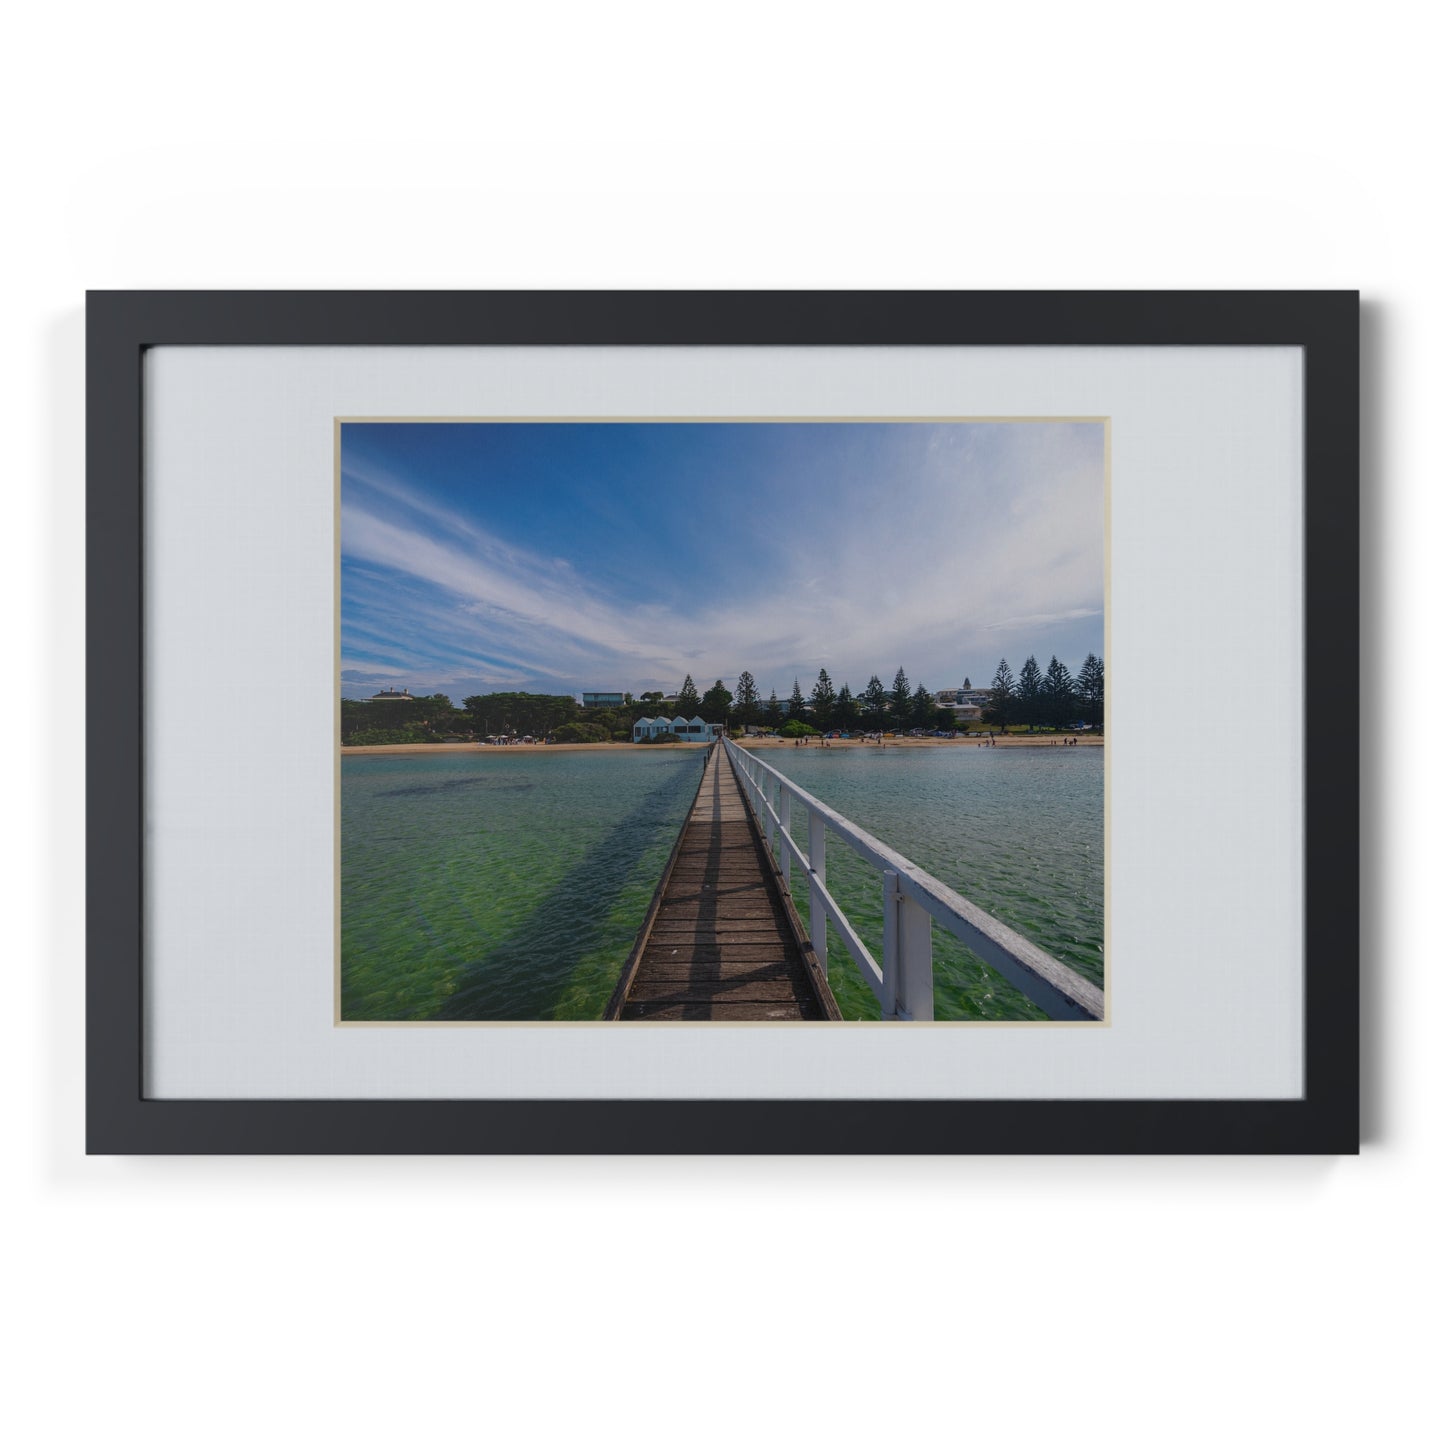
(563, 557)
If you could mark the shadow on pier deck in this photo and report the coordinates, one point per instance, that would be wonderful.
(721, 940)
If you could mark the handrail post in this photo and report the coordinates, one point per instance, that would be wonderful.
(907, 954)
(765, 795)
(891, 899)
(785, 817)
(818, 877)
(915, 961)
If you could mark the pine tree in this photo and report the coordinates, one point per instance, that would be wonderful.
(797, 708)
(687, 698)
(1001, 703)
(921, 707)
(845, 710)
(1090, 683)
(745, 700)
(875, 704)
(1058, 694)
(773, 711)
(825, 700)
(900, 701)
(1030, 688)
(716, 702)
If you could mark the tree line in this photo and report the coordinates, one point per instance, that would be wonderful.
(435, 719)
(1050, 697)
(520, 714)
(1037, 697)
(828, 706)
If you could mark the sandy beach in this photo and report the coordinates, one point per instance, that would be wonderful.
(1021, 740)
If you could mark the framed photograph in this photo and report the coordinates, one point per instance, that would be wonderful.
(722, 722)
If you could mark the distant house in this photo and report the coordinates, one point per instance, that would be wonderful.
(966, 704)
(601, 699)
(967, 696)
(391, 695)
(688, 730)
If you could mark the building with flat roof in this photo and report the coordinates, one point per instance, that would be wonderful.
(601, 699)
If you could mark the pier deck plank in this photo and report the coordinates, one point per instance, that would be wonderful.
(721, 942)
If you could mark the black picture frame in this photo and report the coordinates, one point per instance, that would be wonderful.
(120, 326)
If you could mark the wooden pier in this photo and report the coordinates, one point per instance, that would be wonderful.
(721, 940)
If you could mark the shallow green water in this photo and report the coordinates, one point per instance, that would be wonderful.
(510, 883)
(1019, 831)
(507, 883)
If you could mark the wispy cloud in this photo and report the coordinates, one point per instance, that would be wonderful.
(927, 548)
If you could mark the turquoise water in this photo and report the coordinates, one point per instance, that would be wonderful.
(508, 883)
(1019, 831)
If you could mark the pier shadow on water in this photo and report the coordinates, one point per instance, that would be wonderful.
(455, 785)
(567, 924)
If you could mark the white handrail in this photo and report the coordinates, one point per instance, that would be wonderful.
(912, 902)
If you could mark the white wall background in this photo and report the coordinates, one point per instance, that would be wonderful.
(752, 145)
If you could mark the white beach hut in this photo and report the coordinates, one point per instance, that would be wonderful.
(688, 730)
